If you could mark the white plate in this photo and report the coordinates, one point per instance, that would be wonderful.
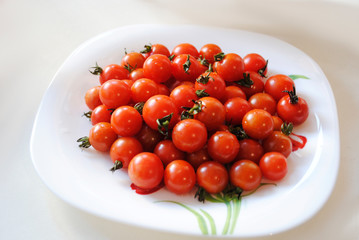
(82, 178)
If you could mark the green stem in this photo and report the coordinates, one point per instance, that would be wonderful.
(211, 222)
(228, 219)
(236, 209)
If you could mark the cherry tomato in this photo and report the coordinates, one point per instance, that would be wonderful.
(142, 89)
(157, 67)
(212, 113)
(179, 177)
(124, 149)
(231, 92)
(276, 84)
(277, 123)
(250, 149)
(208, 51)
(256, 63)
(133, 60)
(263, 101)
(112, 71)
(223, 147)
(146, 170)
(212, 84)
(258, 124)
(183, 96)
(212, 177)
(155, 49)
(185, 67)
(251, 83)
(163, 89)
(230, 68)
(273, 166)
(158, 107)
(185, 48)
(149, 138)
(168, 152)
(92, 98)
(101, 114)
(245, 174)
(126, 121)
(236, 108)
(292, 108)
(137, 74)
(189, 135)
(102, 136)
(114, 93)
(278, 142)
(198, 157)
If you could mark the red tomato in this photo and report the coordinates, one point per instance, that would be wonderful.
(155, 49)
(112, 71)
(223, 147)
(231, 92)
(142, 89)
(132, 61)
(92, 97)
(263, 101)
(251, 84)
(102, 136)
(126, 121)
(168, 152)
(114, 93)
(212, 84)
(245, 174)
(124, 149)
(208, 51)
(212, 177)
(189, 135)
(236, 108)
(258, 124)
(278, 142)
(101, 114)
(250, 149)
(273, 166)
(149, 138)
(136, 74)
(179, 177)
(157, 107)
(157, 67)
(256, 63)
(163, 89)
(183, 96)
(185, 48)
(293, 109)
(212, 113)
(185, 67)
(198, 157)
(230, 68)
(146, 170)
(277, 123)
(276, 84)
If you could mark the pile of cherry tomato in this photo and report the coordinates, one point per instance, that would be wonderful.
(194, 119)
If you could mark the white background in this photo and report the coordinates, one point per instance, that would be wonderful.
(37, 36)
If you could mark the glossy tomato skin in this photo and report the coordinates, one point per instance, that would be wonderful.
(198, 157)
(276, 84)
(183, 96)
(245, 174)
(102, 136)
(179, 177)
(223, 147)
(92, 98)
(278, 142)
(136, 74)
(158, 68)
(149, 138)
(236, 108)
(115, 93)
(256, 87)
(230, 68)
(133, 60)
(157, 49)
(295, 113)
(185, 48)
(212, 113)
(157, 107)
(142, 89)
(258, 123)
(180, 72)
(126, 121)
(208, 51)
(250, 149)
(113, 71)
(124, 149)
(231, 92)
(273, 166)
(212, 83)
(256, 63)
(277, 123)
(263, 101)
(212, 176)
(189, 135)
(146, 170)
(100, 114)
(167, 152)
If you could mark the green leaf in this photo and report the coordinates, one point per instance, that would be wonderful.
(211, 222)
(296, 76)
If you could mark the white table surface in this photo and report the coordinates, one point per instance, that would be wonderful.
(37, 36)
